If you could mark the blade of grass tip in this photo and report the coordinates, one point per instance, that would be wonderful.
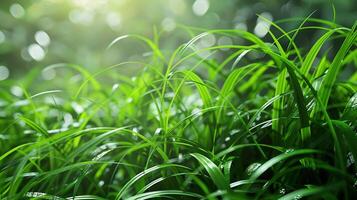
(156, 36)
(190, 42)
(327, 83)
(45, 92)
(333, 13)
(291, 41)
(137, 177)
(37, 116)
(316, 20)
(116, 40)
(201, 87)
(150, 43)
(206, 99)
(239, 58)
(214, 172)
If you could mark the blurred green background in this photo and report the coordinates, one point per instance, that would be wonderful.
(37, 33)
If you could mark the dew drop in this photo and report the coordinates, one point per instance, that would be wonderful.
(180, 157)
(157, 131)
(289, 150)
(251, 168)
(282, 191)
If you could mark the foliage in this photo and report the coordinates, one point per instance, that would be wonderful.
(272, 119)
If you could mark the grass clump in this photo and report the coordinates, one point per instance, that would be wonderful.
(250, 120)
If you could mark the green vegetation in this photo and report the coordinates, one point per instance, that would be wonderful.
(272, 119)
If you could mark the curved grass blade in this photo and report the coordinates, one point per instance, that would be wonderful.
(268, 164)
(163, 194)
(326, 86)
(150, 43)
(214, 172)
(298, 194)
(133, 180)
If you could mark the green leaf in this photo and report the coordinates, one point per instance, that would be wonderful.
(215, 173)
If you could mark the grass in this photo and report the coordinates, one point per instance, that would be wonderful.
(267, 119)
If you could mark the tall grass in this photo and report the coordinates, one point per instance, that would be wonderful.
(267, 119)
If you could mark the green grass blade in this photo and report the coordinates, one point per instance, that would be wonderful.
(330, 78)
(214, 172)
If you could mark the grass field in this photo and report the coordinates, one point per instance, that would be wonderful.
(269, 120)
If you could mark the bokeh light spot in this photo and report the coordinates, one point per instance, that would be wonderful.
(2, 37)
(16, 90)
(200, 7)
(48, 74)
(113, 20)
(42, 38)
(224, 40)
(81, 17)
(168, 24)
(4, 73)
(17, 11)
(207, 41)
(263, 25)
(241, 26)
(36, 52)
(177, 7)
